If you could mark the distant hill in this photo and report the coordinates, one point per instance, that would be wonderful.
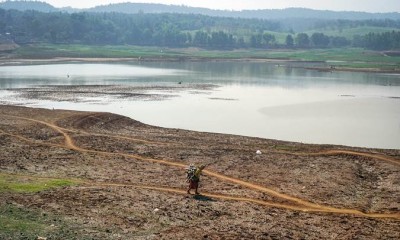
(288, 13)
(297, 13)
(304, 13)
(28, 5)
(155, 25)
(277, 14)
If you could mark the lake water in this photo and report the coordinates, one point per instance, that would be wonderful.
(253, 99)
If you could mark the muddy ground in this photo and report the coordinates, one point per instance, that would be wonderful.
(102, 94)
(130, 182)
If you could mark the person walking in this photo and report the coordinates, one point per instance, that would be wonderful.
(194, 178)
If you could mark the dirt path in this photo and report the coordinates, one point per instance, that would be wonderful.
(327, 153)
(91, 184)
(300, 204)
(368, 155)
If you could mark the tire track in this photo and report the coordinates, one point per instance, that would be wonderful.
(112, 136)
(91, 184)
(69, 143)
(306, 205)
(263, 202)
(106, 135)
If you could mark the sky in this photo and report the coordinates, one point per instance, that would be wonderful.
(340, 5)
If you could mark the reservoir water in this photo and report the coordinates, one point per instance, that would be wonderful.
(276, 101)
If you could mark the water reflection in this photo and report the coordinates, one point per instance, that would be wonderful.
(272, 100)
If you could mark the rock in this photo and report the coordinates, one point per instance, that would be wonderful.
(41, 238)
(258, 152)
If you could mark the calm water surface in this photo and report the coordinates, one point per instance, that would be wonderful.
(253, 99)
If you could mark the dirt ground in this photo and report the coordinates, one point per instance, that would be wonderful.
(131, 181)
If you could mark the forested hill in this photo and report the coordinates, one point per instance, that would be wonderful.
(28, 5)
(289, 13)
(182, 30)
(262, 14)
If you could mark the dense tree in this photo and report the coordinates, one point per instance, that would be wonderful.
(302, 40)
(173, 30)
(342, 24)
(382, 41)
(358, 41)
(221, 40)
(320, 40)
(201, 39)
(269, 39)
(256, 41)
(265, 40)
(339, 42)
(241, 43)
(289, 41)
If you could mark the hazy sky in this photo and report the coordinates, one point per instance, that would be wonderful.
(348, 5)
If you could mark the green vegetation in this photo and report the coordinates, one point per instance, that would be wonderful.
(21, 223)
(336, 54)
(19, 184)
(340, 57)
(189, 30)
(86, 51)
(350, 32)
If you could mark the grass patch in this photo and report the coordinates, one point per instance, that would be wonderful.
(21, 223)
(16, 222)
(344, 57)
(43, 51)
(22, 184)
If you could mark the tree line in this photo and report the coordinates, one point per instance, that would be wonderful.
(170, 30)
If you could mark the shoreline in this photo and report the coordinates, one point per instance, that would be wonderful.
(171, 89)
(60, 60)
(63, 97)
(323, 145)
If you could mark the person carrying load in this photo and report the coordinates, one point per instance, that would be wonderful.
(193, 177)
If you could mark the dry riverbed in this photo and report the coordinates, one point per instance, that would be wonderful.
(106, 176)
